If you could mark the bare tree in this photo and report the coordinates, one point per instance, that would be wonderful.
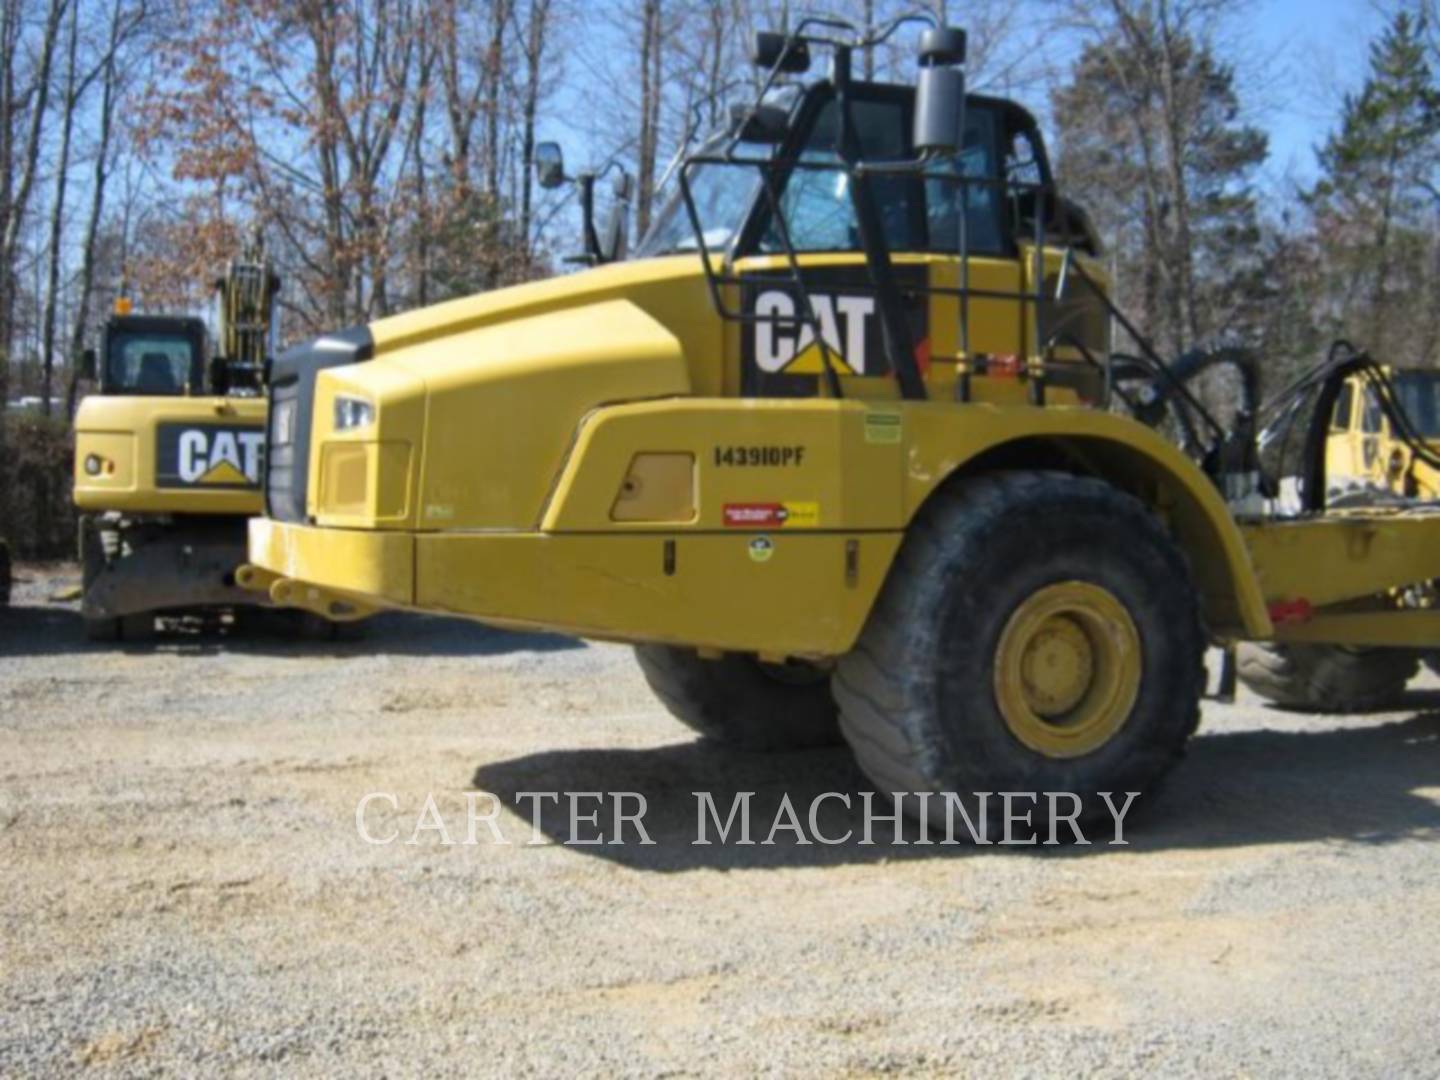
(23, 104)
(536, 30)
(652, 92)
(68, 102)
(123, 25)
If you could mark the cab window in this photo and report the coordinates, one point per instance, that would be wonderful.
(1344, 403)
(917, 213)
(1372, 420)
(140, 362)
(1419, 394)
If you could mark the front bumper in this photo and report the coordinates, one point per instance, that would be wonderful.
(807, 597)
(367, 568)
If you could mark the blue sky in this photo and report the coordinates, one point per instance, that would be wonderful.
(1295, 60)
(1305, 55)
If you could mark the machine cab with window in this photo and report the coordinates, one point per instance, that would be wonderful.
(151, 356)
(770, 205)
(1363, 450)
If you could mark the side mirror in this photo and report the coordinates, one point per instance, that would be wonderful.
(942, 46)
(549, 165)
(623, 186)
(790, 55)
(89, 367)
(939, 111)
(940, 93)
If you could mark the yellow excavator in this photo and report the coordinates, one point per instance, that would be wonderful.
(847, 451)
(169, 457)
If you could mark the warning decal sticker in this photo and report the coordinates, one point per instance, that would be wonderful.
(772, 515)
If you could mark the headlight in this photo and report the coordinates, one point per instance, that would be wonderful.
(93, 465)
(352, 413)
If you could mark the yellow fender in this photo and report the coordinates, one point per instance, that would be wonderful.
(1136, 459)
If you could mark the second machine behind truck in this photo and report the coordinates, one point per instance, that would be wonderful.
(169, 454)
(834, 451)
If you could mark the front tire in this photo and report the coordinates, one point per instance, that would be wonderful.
(742, 702)
(1038, 632)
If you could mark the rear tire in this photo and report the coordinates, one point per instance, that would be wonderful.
(6, 574)
(742, 702)
(1327, 678)
(1071, 589)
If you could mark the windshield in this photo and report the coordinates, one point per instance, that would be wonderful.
(918, 212)
(1419, 394)
(722, 195)
(149, 362)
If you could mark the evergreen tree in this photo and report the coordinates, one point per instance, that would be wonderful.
(1375, 204)
(1151, 141)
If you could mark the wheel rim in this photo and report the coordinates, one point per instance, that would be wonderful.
(1067, 669)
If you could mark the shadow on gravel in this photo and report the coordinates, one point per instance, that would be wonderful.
(1356, 784)
(56, 630)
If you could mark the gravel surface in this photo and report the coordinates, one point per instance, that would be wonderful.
(185, 889)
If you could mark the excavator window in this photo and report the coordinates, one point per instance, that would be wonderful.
(160, 361)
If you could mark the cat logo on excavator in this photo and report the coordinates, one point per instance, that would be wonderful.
(209, 455)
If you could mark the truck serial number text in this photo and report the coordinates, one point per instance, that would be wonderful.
(755, 456)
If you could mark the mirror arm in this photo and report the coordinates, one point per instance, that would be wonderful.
(586, 183)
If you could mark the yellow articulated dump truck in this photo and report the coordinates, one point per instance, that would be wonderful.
(169, 459)
(843, 450)
(1367, 455)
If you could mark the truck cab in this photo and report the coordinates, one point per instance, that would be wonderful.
(750, 216)
(1363, 452)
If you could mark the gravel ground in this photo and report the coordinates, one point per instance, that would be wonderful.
(185, 889)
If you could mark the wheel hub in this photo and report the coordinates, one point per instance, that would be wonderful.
(1056, 667)
(1067, 669)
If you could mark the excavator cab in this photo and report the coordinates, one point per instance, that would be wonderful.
(149, 356)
